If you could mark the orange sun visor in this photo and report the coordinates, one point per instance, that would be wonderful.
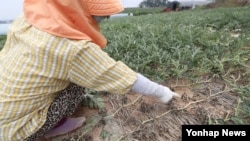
(71, 18)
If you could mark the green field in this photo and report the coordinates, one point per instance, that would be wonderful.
(2, 40)
(187, 45)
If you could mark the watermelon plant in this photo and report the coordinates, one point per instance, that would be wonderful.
(187, 45)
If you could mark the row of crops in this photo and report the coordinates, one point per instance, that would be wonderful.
(183, 44)
(188, 45)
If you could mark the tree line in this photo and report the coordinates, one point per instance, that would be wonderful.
(164, 3)
(153, 3)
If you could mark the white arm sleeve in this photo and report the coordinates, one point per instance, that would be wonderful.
(147, 87)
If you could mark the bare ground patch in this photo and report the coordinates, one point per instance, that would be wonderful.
(133, 117)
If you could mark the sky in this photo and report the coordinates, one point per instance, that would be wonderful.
(10, 9)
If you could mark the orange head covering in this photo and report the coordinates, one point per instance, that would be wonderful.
(71, 18)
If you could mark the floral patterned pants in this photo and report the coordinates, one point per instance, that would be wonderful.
(64, 105)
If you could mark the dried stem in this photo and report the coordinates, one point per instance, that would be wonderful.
(124, 106)
(178, 109)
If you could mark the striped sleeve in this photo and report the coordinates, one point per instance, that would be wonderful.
(92, 68)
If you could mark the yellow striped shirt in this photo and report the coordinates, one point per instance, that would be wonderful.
(35, 66)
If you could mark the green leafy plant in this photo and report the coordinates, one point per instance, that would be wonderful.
(2, 41)
(187, 45)
(91, 100)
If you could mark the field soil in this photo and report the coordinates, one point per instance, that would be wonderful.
(133, 117)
